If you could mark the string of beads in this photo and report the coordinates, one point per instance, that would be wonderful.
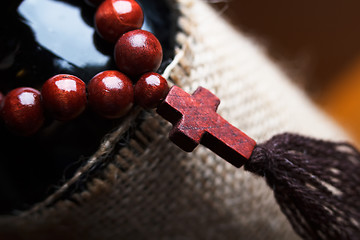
(138, 55)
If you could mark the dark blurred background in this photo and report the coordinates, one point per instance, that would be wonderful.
(316, 42)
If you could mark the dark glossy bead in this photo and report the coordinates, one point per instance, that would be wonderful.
(64, 96)
(22, 111)
(150, 90)
(1, 99)
(111, 94)
(115, 17)
(138, 52)
(93, 3)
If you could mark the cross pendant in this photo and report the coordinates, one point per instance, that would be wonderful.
(195, 122)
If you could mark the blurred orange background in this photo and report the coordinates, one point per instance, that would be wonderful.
(316, 42)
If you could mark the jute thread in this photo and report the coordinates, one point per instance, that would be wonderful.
(150, 189)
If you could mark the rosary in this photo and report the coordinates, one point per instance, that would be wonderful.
(315, 182)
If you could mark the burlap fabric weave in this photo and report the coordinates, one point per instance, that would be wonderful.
(138, 185)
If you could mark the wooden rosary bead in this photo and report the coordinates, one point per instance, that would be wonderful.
(22, 111)
(111, 94)
(64, 96)
(150, 90)
(138, 52)
(115, 17)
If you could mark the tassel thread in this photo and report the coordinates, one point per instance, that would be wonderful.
(315, 182)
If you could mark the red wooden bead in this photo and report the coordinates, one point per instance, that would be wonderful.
(64, 96)
(115, 17)
(150, 90)
(1, 99)
(111, 94)
(22, 111)
(138, 52)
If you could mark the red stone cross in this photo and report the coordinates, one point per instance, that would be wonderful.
(195, 121)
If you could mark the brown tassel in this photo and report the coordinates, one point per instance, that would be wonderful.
(316, 183)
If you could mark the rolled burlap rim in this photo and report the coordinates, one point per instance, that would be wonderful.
(138, 185)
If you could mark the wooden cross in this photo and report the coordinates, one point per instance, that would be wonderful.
(195, 121)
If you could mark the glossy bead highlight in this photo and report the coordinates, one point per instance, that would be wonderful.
(115, 17)
(64, 96)
(22, 111)
(111, 94)
(150, 90)
(138, 52)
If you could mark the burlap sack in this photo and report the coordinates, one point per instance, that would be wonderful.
(140, 186)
